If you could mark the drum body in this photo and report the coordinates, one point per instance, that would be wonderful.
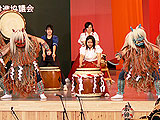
(88, 82)
(9, 20)
(52, 77)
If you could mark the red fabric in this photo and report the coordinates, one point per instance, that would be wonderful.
(154, 19)
(89, 64)
(105, 74)
(151, 19)
(74, 67)
(125, 13)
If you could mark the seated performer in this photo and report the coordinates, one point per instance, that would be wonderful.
(88, 30)
(140, 67)
(23, 76)
(52, 41)
(90, 56)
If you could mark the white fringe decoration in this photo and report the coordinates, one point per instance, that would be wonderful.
(80, 85)
(20, 73)
(73, 84)
(12, 72)
(138, 77)
(102, 88)
(95, 86)
(2, 61)
(35, 66)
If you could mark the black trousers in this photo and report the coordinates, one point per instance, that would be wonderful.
(54, 64)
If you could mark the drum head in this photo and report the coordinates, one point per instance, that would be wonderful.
(10, 20)
(84, 71)
(88, 69)
(49, 69)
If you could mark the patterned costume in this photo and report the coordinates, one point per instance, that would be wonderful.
(2, 68)
(23, 76)
(140, 67)
(2, 62)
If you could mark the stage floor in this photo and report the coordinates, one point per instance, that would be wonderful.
(103, 108)
(130, 93)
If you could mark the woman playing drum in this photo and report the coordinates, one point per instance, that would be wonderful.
(90, 56)
(88, 30)
(52, 41)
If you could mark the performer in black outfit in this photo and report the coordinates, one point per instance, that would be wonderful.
(52, 41)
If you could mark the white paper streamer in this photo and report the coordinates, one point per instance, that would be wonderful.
(102, 88)
(35, 66)
(12, 72)
(80, 85)
(73, 84)
(138, 77)
(20, 73)
(94, 86)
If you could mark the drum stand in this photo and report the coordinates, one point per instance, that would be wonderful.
(82, 113)
(64, 112)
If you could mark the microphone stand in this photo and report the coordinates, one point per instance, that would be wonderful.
(82, 113)
(64, 112)
(14, 114)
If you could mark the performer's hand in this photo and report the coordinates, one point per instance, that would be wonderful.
(98, 65)
(80, 65)
(44, 56)
(118, 57)
(49, 52)
(83, 43)
(29, 35)
(106, 63)
(54, 56)
(97, 42)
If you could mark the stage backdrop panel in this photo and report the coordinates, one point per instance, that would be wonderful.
(56, 12)
(125, 13)
(154, 19)
(98, 12)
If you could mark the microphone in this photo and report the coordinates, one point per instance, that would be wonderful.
(64, 112)
(82, 113)
(58, 95)
(76, 95)
(14, 114)
(12, 110)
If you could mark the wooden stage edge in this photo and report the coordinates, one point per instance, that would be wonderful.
(52, 110)
(74, 105)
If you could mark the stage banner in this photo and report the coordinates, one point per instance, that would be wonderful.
(39, 13)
